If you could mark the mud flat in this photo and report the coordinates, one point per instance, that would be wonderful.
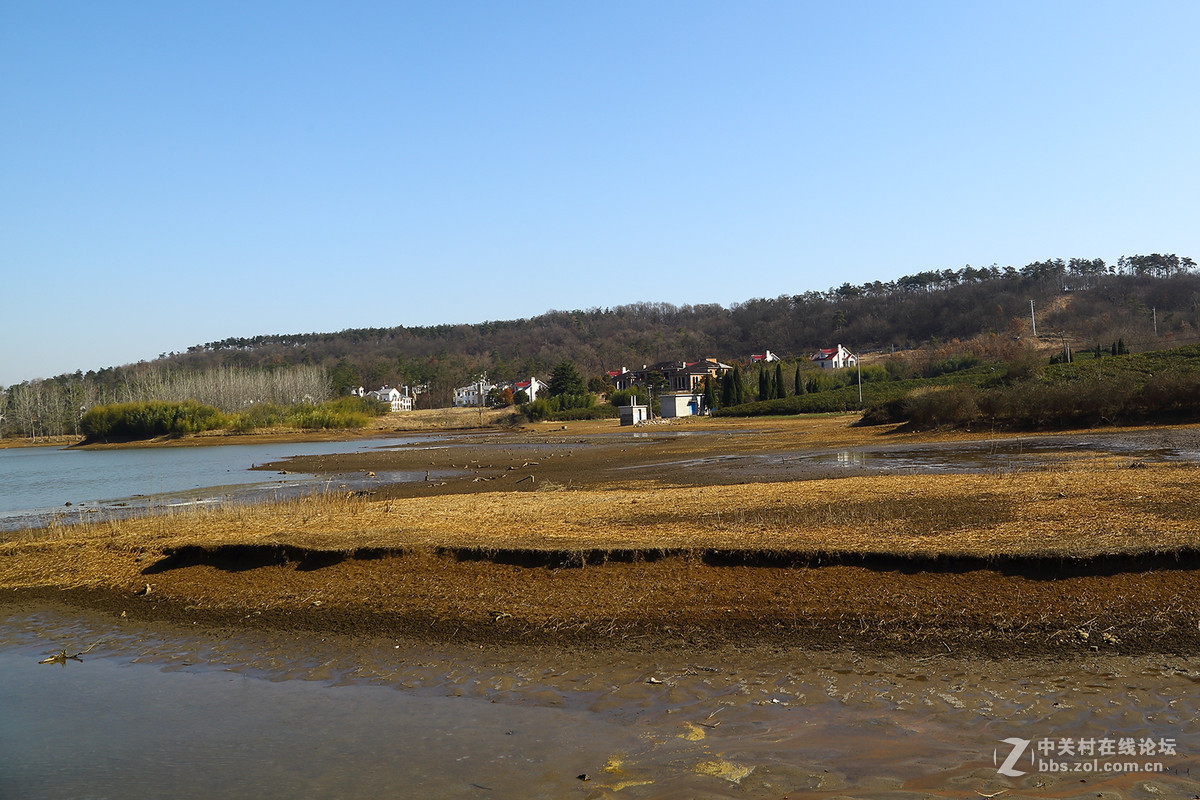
(251, 713)
(596, 536)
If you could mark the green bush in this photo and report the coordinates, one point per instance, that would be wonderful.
(567, 406)
(260, 415)
(324, 416)
(357, 405)
(1067, 396)
(595, 412)
(941, 405)
(952, 364)
(538, 410)
(344, 412)
(131, 421)
(628, 397)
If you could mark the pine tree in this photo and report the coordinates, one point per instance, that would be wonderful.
(566, 380)
(710, 394)
(799, 381)
(764, 385)
(727, 393)
(739, 387)
(780, 392)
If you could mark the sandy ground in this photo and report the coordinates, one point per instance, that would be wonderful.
(588, 535)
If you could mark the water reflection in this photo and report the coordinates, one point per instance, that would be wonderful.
(851, 458)
(44, 484)
(1021, 453)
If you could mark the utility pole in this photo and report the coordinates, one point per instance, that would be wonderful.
(1154, 311)
(858, 363)
(1033, 319)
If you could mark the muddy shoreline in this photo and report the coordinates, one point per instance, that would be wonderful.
(681, 538)
(676, 603)
(527, 721)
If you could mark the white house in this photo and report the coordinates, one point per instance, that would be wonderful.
(399, 401)
(473, 394)
(763, 358)
(834, 358)
(532, 388)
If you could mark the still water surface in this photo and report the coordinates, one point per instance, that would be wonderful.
(170, 713)
(37, 483)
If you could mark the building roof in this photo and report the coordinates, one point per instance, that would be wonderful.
(827, 353)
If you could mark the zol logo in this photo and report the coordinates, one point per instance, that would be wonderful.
(1018, 749)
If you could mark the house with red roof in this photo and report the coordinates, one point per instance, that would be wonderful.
(763, 358)
(532, 388)
(834, 358)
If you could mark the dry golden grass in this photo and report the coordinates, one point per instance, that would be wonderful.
(435, 419)
(1084, 510)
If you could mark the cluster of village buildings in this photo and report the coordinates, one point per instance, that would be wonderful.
(682, 394)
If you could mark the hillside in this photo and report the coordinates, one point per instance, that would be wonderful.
(1147, 302)
(1085, 304)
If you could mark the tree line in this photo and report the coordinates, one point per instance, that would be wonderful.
(1107, 301)
(1146, 300)
(56, 407)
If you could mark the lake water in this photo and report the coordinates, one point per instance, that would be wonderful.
(170, 713)
(37, 483)
(1002, 455)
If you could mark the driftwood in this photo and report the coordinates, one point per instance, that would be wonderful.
(61, 656)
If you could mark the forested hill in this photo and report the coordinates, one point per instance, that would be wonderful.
(1086, 300)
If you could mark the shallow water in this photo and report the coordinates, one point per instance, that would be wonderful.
(171, 713)
(44, 484)
(1002, 455)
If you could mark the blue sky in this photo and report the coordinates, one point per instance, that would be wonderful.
(176, 173)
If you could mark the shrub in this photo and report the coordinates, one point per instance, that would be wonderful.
(567, 406)
(952, 364)
(941, 405)
(357, 405)
(126, 421)
(322, 417)
(260, 415)
(595, 412)
(538, 409)
(628, 397)
(1171, 391)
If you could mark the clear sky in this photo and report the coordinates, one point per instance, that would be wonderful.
(173, 173)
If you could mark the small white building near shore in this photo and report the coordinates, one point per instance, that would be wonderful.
(632, 415)
(682, 404)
